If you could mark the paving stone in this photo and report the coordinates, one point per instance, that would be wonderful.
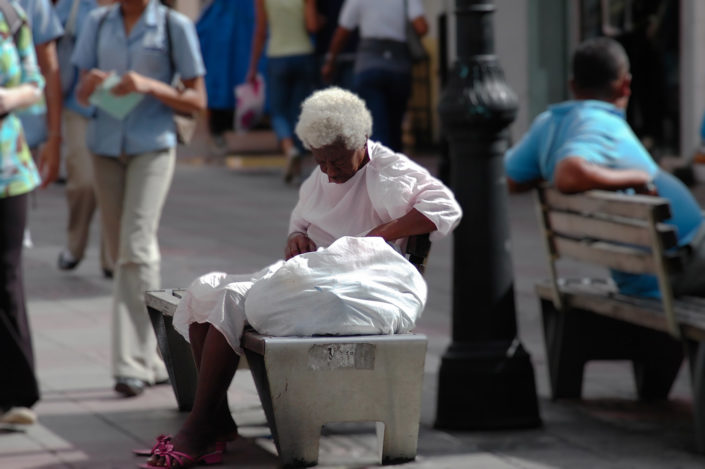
(221, 219)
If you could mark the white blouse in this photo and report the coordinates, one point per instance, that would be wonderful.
(379, 19)
(386, 188)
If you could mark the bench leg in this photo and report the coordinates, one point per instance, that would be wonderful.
(398, 441)
(566, 361)
(656, 372)
(696, 357)
(296, 439)
(178, 358)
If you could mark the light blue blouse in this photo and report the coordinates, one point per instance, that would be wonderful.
(149, 126)
(46, 27)
(63, 11)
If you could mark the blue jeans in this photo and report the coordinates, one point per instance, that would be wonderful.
(291, 80)
(386, 94)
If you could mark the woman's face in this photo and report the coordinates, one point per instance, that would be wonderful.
(339, 163)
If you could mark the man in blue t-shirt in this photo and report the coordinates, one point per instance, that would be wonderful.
(587, 144)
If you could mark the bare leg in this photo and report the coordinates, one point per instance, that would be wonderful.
(293, 159)
(224, 422)
(218, 363)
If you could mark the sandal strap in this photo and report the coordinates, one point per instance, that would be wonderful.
(161, 440)
(172, 456)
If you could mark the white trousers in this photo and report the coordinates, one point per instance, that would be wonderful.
(80, 192)
(131, 192)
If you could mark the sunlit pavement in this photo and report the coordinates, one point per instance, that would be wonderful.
(232, 216)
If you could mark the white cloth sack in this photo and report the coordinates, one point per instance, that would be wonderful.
(355, 286)
(249, 104)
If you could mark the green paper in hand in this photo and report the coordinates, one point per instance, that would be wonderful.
(116, 106)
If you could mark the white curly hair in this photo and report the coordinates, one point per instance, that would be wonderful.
(334, 115)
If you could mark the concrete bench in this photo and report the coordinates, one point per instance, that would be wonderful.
(587, 319)
(306, 382)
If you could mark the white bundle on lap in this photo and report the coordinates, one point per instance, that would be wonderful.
(355, 286)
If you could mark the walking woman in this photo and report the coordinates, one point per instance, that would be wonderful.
(145, 44)
(291, 67)
(20, 85)
(383, 63)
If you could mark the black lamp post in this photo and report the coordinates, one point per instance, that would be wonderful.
(486, 379)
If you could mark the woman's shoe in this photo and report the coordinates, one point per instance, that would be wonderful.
(129, 387)
(163, 439)
(179, 459)
(148, 452)
(19, 416)
(66, 261)
(293, 165)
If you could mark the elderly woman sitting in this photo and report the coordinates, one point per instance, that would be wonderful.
(359, 189)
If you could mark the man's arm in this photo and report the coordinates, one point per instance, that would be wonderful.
(258, 39)
(340, 38)
(574, 174)
(50, 152)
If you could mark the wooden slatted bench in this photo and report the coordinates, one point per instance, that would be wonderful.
(587, 319)
(305, 382)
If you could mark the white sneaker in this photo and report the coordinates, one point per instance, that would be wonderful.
(293, 165)
(19, 415)
(27, 240)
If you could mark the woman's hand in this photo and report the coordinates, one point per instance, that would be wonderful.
(251, 76)
(132, 82)
(49, 160)
(298, 243)
(328, 71)
(89, 82)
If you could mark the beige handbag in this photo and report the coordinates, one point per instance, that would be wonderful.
(185, 122)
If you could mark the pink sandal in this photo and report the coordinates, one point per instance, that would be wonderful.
(179, 459)
(162, 439)
(147, 452)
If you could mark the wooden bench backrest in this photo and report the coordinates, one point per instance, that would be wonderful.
(614, 230)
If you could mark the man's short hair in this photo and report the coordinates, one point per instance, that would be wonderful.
(597, 63)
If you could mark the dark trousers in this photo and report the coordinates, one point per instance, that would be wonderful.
(291, 80)
(386, 95)
(220, 120)
(19, 383)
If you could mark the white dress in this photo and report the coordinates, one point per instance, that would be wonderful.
(386, 188)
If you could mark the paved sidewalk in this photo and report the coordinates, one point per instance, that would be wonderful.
(221, 219)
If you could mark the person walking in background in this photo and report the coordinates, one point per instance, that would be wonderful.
(291, 67)
(21, 85)
(135, 43)
(80, 191)
(343, 74)
(225, 31)
(383, 62)
(42, 121)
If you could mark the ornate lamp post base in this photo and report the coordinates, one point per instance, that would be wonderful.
(484, 388)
